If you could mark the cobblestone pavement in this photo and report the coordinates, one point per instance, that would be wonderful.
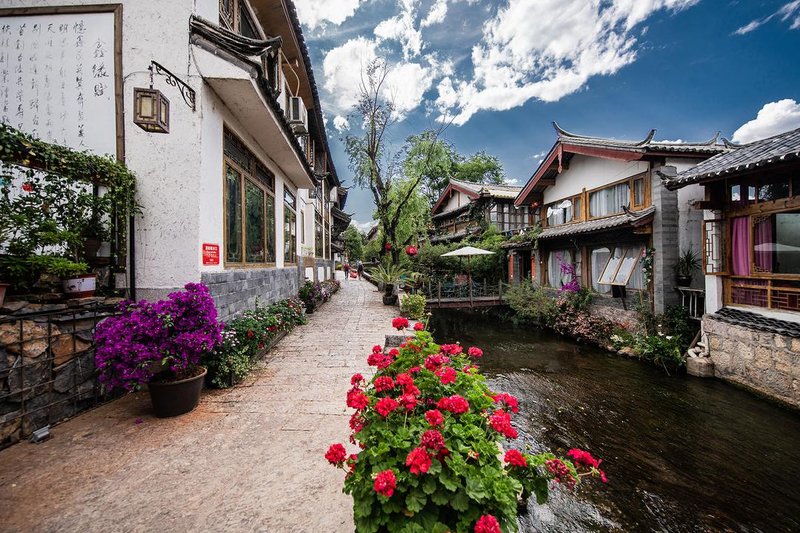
(247, 459)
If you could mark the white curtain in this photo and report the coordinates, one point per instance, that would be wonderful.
(599, 259)
(609, 201)
(554, 276)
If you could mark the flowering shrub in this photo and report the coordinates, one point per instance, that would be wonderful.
(428, 428)
(247, 336)
(169, 335)
(413, 306)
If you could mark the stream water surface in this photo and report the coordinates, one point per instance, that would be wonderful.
(681, 453)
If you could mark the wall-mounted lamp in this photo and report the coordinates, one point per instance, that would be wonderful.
(151, 110)
(151, 107)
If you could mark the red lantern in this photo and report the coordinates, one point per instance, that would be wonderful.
(387, 246)
(535, 205)
(27, 186)
(411, 250)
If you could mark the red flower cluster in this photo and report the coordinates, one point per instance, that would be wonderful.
(432, 440)
(399, 323)
(487, 524)
(356, 422)
(386, 406)
(419, 326)
(501, 423)
(451, 349)
(27, 186)
(383, 383)
(387, 246)
(434, 417)
(414, 370)
(418, 461)
(357, 400)
(507, 399)
(561, 472)
(582, 457)
(379, 359)
(447, 375)
(356, 379)
(455, 404)
(475, 352)
(385, 483)
(514, 458)
(433, 362)
(336, 454)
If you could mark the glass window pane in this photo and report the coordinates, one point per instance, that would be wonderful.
(246, 25)
(638, 192)
(637, 277)
(289, 236)
(609, 201)
(254, 223)
(576, 208)
(270, 254)
(233, 214)
(629, 262)
(776, 243)
(610, 272)
(599, 259)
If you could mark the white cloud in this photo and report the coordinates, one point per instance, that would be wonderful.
(527, 53)
(342, 67)
(401, 28)
(340, 123)
(772, 119)
(313, 13)
(364, 227)
(789, 11)
(436, 15)
(406, 84)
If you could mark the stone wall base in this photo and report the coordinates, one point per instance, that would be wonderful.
(766, 362)
(235, 291)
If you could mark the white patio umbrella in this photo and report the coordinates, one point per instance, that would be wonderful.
(468, 252)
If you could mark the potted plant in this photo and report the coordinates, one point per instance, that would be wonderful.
(160, 344)
(311, 294)
(388, 276)
(687, 264)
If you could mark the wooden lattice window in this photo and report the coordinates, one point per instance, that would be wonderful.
(715, 249)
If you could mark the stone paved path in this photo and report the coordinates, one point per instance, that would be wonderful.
(247, 459)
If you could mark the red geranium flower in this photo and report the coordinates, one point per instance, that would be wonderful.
(404, 380)
(433, 362)
(414, 370)
(387, 246)
(385, 483)
(27, 186)
(487, 524)
(455, 404)
(419, 326)
(432, 440)
(434, 417)
(507, 399)
(418, 461)
(394, 352)
(336, 454)
(514, 458)
(475, 352)
(451, 349)
(377, 348)
(582, 457)
(383, 383)
(560, 472)
(399, 323)
(386, 406)
(447, 375)
(356, 379)
(357, 400)
(501, 422)
(409, 401)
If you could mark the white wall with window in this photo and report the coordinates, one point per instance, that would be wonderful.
(590, 173)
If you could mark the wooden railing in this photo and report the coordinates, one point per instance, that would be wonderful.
(770, 293)
(472, 292)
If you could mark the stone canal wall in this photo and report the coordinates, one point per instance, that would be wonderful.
(766, 362)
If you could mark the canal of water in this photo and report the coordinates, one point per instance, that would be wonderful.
(681, 453)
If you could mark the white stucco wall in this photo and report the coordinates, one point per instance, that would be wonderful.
(456, 200)
(588, 173)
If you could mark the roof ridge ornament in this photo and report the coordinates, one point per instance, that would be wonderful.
(730, 144)
(647, 139)
(713, 140)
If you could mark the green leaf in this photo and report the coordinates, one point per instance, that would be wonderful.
(415, 501)
(429, 487)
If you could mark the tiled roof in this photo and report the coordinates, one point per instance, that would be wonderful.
(496, 191)
(632, 218)
(769, 151)
(738, 317)
(451, 213)
(710, 146)
(451, 236)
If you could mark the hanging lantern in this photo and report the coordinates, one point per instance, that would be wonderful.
(150, 110)
(411, 250)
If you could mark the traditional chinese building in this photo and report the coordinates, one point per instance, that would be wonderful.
(464, 206)
(213, 104)
(602, 206)
(751, 261)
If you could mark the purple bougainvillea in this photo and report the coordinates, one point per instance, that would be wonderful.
(170, 334)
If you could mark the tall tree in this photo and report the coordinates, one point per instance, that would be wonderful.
(353, 243)
(374, 166)
(480, 168)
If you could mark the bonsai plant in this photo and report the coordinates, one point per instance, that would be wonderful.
(160, 344)
(687, 264)
(388, 275)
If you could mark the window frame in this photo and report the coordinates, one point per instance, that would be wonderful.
(246, 176)
(289, 229)
(624, 248)
(232, 21)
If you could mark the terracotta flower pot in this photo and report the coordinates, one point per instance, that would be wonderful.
(173, 398)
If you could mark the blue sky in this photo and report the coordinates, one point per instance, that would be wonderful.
(503, 70)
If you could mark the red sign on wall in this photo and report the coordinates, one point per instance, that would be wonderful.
(210, 254)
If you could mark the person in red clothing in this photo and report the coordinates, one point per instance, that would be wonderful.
(346, 268)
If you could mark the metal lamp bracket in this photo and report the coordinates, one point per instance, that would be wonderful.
(187, 92)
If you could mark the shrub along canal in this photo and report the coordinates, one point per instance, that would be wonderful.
(681, 453)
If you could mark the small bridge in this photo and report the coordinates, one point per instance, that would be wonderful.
(471, 294)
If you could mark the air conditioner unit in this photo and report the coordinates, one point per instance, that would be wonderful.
(298, 116)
